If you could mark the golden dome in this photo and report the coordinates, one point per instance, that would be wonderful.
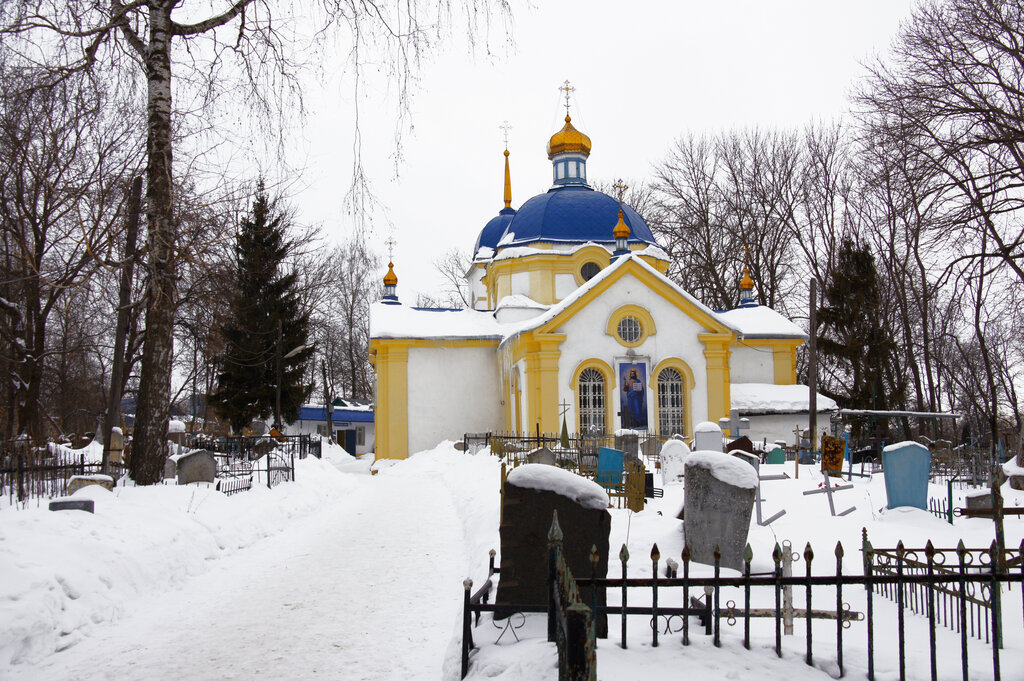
(746, 283)
(391, 279)
(568, 139)
(621, 230)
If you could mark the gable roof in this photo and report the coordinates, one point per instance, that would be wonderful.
(603, 280)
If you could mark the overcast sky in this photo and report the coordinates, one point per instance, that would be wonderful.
(644, 74)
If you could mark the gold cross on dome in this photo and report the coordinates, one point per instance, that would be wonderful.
(620, 188)
(390, 243)
(568, 90)
(505, 127)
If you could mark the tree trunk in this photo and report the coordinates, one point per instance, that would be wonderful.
(153, 407)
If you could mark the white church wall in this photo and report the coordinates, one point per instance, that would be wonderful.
(676, 337)
(520, 283)
(781, 426)
(452, 391)
(751, 365)
(477, 290)
(565, 284)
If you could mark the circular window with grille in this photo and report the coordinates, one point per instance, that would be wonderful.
(589, 270)
(629, 329)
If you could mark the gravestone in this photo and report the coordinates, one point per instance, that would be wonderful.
(776, 456)
(906, 466)
(116, 445)
(532, 493)
(609, 467)
(171, 466)
(707, 437)
(833, 453)
(753, 460)
(742, 444)
(673, 461)
(720, 493)
(77, 482)
(541, 455)
(628, 442)
(979, 499)
(87, 505)
(196, 466)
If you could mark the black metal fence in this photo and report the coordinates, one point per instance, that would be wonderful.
(23, 477)
(241, 459)
(919, 591)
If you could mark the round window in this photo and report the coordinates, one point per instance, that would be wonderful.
(589, 270)
(629, 329)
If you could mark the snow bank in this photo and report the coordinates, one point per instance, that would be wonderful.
(726, 468)
(63, 573)
(768, 398)
(586, 493)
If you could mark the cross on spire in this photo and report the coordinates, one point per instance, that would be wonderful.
(505, 127)
(568, 90)
(620, 188)
(390, 243)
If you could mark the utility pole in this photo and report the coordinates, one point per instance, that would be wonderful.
(277, 379)
(812, 368)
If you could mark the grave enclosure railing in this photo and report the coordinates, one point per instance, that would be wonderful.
(240, 458)
(580, 457)
(911, 589)
(23, 478)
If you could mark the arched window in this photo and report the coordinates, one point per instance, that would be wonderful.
(671, 411)
(592, 401)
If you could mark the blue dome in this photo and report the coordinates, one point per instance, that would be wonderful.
(493, 230)
(571, 214)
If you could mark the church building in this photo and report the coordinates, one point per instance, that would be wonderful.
(572, 313)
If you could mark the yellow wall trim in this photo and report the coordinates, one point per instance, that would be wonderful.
(647, 326)
(609, 384)
(688, 383)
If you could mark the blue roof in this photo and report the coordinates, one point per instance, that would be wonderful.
(573, 214)
(493, 230)
(309, 413)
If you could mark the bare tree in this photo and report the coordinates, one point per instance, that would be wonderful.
(245, 47)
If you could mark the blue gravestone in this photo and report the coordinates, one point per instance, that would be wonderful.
(609, 467)
(906, 466)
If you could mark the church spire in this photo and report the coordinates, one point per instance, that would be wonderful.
(508, 175)
(568, 150)
(746, 283)
(390, 279)
(621, 231)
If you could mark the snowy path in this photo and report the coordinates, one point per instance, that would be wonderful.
(320, 600)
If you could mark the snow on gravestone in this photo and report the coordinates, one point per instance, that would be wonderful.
(906, 466)
(673, 461)
(707, 437)
(532, 493)
(1014, 468)
(719, 499)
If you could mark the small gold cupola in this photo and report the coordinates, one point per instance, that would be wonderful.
(747, 289)
(391, 279)
(568, 150)
(621, 231)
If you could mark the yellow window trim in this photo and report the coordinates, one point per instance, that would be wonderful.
(647, 327)
(609, 382)
(688, 383)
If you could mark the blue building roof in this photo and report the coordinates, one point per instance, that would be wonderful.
(571, 214)
(313, 413)
(493, 230)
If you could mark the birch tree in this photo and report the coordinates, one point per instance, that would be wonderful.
(217, 47)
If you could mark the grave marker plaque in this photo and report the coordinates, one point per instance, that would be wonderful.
(720, 493)
(833, 452)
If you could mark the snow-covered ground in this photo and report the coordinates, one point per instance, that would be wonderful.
(343, 574)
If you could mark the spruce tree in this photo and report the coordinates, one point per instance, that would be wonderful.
(854, 345)
(266, 325)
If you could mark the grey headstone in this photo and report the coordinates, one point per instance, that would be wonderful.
(197, 466)
(525, 521)
(170, 467)
(707, 437)
(716, 512)
(753, 459)
(628, 443)
(460, 446)
(87, 505)
(541, 455)
(77, 482)
(982, 499)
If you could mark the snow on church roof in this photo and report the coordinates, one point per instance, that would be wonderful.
(761, 322)
(767, 398)
(399, 321)
(597, 279)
